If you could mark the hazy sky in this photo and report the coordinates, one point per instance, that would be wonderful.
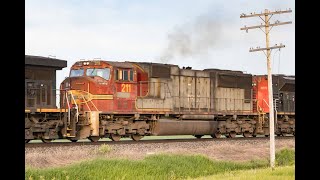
(201, 34)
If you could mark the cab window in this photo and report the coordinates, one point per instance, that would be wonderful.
(124, 74)
(76, 72)
(104, 73)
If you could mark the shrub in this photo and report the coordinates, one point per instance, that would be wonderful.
(285, 157)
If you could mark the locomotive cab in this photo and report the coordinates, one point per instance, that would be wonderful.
(108, 85)
(95, 89)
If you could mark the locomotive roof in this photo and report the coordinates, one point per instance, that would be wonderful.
(150, 63)
(45, 61)
(112, 63)
(289, 77)
(228, 72)
(120, 64)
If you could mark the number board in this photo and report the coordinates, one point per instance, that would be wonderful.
(125, 87)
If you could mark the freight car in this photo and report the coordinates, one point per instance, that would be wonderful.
(137, 99)
(43, 120)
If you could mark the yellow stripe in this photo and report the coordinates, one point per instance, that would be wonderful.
(46, 110)
(101, 96)
(152, 109)
(286, 113)
(88, 96)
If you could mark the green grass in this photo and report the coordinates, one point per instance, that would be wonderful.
(285, 157)
(164, 166)
(152, 167)
(104, 149)
(280, 173)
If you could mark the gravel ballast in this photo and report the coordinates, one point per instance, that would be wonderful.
(243, 150)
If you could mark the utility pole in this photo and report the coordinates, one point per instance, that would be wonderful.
(266, 26)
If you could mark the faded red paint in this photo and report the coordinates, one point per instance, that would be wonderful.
(261, 91)
(124, 93)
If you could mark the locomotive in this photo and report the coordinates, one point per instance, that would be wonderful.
(136, 99)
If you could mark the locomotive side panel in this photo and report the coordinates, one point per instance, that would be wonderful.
(283, 92)
(286, 102)
(203, 91)
(230, 100)
(230, 91)
(187, 89)
(175, 87)
(159, 96)
(194, 90)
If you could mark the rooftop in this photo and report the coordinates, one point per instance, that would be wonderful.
(45, 61)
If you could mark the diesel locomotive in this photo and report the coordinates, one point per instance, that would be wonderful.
(136, 99)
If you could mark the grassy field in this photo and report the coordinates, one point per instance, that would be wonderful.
(167, 167)
(280, 173)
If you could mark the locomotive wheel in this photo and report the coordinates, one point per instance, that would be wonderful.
(266, 135)
(115, 137)
(246, 134)
(232, 135)
(284, 134)
(46, 140)
(216, 135)
(136, 137)
(198, 136)
(93, 138)
(254, 135)
(73, 140)
(27, 140)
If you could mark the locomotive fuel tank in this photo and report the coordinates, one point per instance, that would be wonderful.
(184, 127)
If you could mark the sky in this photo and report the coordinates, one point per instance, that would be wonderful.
(200, 34)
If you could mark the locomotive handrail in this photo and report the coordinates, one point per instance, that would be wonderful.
(85, 97)
(276, 111)
(86, 102)
(75, 104)
(266, 102)
(68, 107)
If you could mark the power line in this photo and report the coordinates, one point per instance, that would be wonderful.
(273, 57)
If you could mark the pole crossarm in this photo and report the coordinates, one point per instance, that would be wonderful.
(263, 14)
(267, 51)
(264, 25)
(262, 49)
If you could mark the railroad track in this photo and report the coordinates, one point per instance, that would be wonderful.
(55, 144)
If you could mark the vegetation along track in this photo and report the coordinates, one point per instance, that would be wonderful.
(54, 144)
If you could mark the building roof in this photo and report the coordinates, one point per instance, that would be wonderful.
(45, 61)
